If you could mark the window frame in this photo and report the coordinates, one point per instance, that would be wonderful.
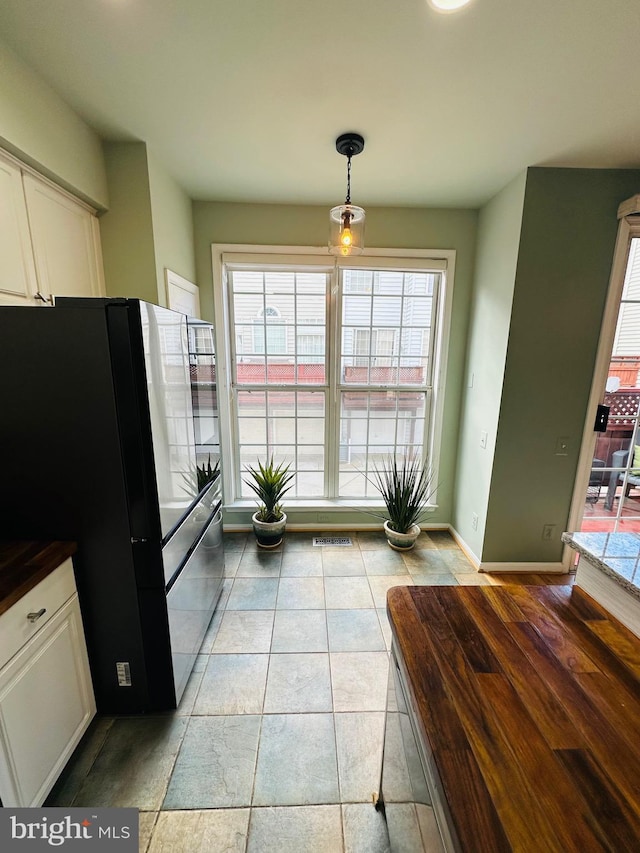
(316, 259)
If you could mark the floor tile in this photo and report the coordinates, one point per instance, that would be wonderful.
(298, 683)
(456, 561)
(244, 631)
(354, 631)
(253, 594)
(443, 539)
(446, 579)
(231, 563)
(425, 561)
(345, 563)
(201, 831)
(386, 562)
(233, 684)
(296, 829)
(259, 564)
(365, 829)
(373, 540)
(300, 631)
(297, 761)
(359, 739)
(472, 579)
(70, 780)
(298, 541)
(431, 838)
(380, 584)
(134, 764)
(347, 593)
(185, 706)
(146, 824)
(300, 594)
(301, 563)
(235, 542)
(424, 542)
(403, 828)
(385, 626)
(359, 680)
(216, 764)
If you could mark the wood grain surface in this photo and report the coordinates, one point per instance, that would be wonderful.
(23, 564)
(529, 699)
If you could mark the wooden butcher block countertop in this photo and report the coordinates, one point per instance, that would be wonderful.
(529, 699)
(23, 564)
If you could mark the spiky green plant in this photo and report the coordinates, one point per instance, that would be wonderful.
(269, 482)
(206, 473)
(406, 488)
(203, 475)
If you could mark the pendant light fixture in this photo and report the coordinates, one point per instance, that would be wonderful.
(346, 221)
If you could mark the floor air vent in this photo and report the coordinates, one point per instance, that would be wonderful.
(333, 540)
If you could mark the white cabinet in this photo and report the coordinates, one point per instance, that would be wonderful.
(64, 235)
(46, 695)
(49, 241)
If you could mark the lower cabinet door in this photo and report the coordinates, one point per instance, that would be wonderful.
(46, 705)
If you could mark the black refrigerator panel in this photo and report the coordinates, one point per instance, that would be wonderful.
(193, 597)
(63, 478)
(84, 387)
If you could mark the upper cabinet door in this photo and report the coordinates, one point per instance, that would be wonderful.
(17, 271)
(65, 245)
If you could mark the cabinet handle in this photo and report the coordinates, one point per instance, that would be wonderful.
(33, 617)
(48, 299)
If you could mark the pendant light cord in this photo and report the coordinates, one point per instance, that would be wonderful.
(348, 198)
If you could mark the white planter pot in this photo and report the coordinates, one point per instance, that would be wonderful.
(401, 541)
(268, 533)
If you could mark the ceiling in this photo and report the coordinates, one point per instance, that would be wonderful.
(242, 100)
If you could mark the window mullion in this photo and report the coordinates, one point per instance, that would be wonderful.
(333, 354)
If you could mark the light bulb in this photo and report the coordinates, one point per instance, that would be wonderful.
(346, 237)
(448, 5)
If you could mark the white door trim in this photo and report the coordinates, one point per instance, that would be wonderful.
(629, 226)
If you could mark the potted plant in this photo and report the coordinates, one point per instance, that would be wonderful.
(406, 488)
(204, 474)
(269, 482)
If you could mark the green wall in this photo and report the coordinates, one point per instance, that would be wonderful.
(126, 230)
(568, 234)
(42, 130)
(496, 258)
(148, 227)
(172, 227)
(418, 228)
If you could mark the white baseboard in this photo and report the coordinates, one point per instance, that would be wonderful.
(530, 568)
(469, 554)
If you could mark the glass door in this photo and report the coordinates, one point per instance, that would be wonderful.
(612, 501)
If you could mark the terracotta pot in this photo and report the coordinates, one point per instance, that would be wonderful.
(401, 541)
(268, 533)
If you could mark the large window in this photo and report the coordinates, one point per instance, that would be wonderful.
(331, 368)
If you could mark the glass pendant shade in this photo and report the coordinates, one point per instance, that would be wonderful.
(346, 230)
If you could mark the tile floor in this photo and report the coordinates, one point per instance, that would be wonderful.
(277, 743)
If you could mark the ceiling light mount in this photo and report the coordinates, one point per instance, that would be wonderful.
(346, 221)
(350, 144)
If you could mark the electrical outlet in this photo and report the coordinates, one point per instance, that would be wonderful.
(474, 520)
(325, 517)
(549, 532)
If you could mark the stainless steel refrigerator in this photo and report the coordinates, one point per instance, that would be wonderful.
(97, 444)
